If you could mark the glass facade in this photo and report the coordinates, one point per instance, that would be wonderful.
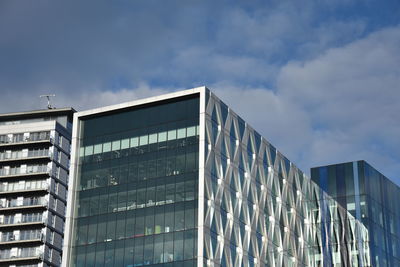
(137, 186)
(181, 180)
(370, 197)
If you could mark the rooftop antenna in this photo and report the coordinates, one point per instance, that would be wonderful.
(49, 106)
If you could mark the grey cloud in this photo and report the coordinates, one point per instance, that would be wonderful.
(74, 46)
(351, 95)
(323, 95)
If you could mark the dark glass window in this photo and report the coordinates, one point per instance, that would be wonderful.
(138, 187)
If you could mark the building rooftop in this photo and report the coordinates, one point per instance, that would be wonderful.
(69, 111)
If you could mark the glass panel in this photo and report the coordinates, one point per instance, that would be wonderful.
(81, 151)
(162, 136)
(191, 131)
(99, 260)
(88, 150)
(124, 143)
(98, 148)
(116, 145)
(138, 255)
(189, 240)
(134, 142)
(182, 133)
(148, 250)
(144, 140)
(152, 138)
(172, 135)
(178, 246)
(107, 147)
(158, 248)
(168, 248)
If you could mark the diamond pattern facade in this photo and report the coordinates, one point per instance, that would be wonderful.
(260, 209)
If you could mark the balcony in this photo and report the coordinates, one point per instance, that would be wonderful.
(25, 219)
(26, 142)
(26, 204)
(17, 139)
(20, 224)
(23, 237)
(20, 156)
(29, 171)
(22, 254)
(28, 186)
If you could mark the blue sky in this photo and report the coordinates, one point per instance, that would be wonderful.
(319, 79)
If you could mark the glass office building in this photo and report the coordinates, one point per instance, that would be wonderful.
(136, 188)
(181, 180)
(370, 197)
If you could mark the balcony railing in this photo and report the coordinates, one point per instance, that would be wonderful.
(25, 203)
(20, 138)
(16, 155)
(32, 185)
(23, 236)
(29, 170)
(26, 218)
(24, 253)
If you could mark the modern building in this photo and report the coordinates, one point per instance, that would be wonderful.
(370, 197)
(182, 180)
(34, 163)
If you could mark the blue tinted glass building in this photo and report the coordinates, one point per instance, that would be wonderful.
(182, 180)
(371, 198)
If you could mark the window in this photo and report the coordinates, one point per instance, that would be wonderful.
(54, 204)
(51, 237)
(53, 220)
(49, 253)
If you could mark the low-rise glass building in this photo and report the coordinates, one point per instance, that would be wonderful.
(370, 197)
(182, 180)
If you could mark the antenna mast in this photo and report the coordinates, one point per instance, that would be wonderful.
(49, 106)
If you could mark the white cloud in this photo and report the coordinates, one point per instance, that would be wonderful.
(351, 95)
(339, 106)
(92, 99)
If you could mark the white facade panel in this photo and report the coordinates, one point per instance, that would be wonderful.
(26, 165)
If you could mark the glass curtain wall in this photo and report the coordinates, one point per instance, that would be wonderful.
(370, 197)
(137, 187)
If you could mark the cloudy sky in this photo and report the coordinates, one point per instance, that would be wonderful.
(319, 79)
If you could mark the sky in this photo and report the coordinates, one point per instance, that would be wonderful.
(319, 79)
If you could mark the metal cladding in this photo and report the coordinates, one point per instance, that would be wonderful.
(260, 210)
